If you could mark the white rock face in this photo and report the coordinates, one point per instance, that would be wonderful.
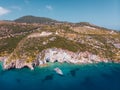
(55, 55)
(42, 34)
(117, 45)
(89, 27)
(17, 64)
(60, 55)
(2, 58)
(22, 63)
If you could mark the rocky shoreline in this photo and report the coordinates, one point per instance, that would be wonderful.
(54, 55)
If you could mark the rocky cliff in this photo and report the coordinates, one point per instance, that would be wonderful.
(56, 55)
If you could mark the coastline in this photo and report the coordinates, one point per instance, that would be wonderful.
(52, 64)
(53, 55)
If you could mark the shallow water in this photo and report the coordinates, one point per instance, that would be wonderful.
(76, 77)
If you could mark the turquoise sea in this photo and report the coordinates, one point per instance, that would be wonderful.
(76, 77)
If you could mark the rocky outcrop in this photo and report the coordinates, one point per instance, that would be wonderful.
(60, 55)
(17, 64)
(55, 55)
(2, 59)
(42, 34)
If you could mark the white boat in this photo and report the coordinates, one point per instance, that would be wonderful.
(58, 71)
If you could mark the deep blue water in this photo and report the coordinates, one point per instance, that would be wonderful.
(76, 77)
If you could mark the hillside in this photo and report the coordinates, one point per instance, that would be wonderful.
(36, 44)
(11, 33)
(34, 19)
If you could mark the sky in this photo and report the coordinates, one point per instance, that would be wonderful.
(104, 13)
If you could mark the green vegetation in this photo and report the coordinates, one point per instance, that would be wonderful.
(33, 19)
(9, 44)
(11, 29)
(31, 47)
(97, 41)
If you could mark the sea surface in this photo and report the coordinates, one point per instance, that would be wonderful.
(76, 77)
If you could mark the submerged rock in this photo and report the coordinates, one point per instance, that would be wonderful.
(73, 72)
(48, 77)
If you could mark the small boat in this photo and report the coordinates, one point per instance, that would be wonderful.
(58, 71)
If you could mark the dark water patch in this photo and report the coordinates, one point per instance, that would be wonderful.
(88, 84)
(116, 70)
(3, 72)
(116, 73)
(48, 77)
(73, 72)
(107, 76)
(87, 81)
(18, 80)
